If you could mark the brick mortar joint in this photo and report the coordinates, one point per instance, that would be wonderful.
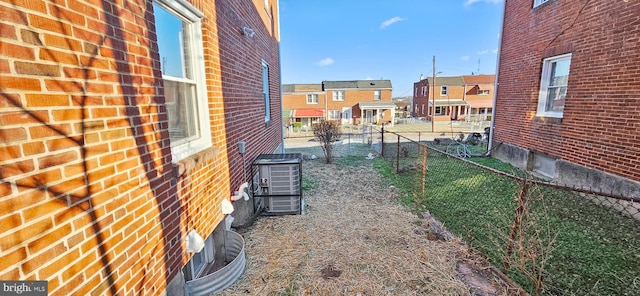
(184, 166)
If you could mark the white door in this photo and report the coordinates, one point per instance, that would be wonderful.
(346, 115)
(368, 116)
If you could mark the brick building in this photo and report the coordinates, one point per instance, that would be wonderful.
(568, 102)
(456, 97)
(349, 102)
(119, 131)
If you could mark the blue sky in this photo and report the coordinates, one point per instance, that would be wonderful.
(396, 40)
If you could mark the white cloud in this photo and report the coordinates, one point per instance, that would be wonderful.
(324, 62)
(483, 52)
(470, 2)
(465, 58)
(391, 21)
(368, 78)
(495, 51)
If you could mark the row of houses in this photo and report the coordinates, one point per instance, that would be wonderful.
(121, 123)
(346, 102)
(468, 98)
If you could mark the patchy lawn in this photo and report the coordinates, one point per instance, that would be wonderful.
(355, 239)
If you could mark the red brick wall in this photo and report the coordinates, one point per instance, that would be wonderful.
(292, 101)
(420, 99)
(91, 200)
(354, 96)
(601, 122)
(242, 57)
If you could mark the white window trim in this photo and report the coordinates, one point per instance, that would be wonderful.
(189, 13)
(265, 91)
(377, 97)
(335, 96)
(537, 3)
(335, 112)
(544, 85)
(444, 90)
(483, 92)
(311, 102)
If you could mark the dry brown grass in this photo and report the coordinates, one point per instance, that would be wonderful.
(353, 240)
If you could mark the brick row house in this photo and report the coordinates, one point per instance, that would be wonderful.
(468, 98)
(119, 128)
(568, 104)
(347, 102)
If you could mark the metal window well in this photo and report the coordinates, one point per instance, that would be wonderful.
(279, 183)
(227, 275)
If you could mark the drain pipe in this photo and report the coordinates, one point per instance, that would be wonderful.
(495, 84)
(280, 78)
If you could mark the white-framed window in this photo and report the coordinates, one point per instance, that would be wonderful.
(553, 85)
(334, 114)
(312, 98)
(483, 92)
(422, 109)
(415, 92)
(265, 91)
(444, 90)
(376, 95)
(439, 110)
(538, 2)
(416, 109)
(338, 95)
(179, 37)
(424, 90)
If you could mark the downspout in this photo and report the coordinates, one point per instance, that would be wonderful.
(495, 85)
(280, 76)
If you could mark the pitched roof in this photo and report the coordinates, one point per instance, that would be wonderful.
(479, 79)
(287, 88)
(450, 80)
(291, 88)
(363, 84)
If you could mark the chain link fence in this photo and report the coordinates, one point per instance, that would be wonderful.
(551, 239)
(354, 141)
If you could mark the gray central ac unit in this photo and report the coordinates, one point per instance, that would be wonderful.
(280, 183)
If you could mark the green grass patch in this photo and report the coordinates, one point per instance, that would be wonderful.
(596, 248)
(307, 184)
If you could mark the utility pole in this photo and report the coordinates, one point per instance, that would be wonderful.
(433, 97)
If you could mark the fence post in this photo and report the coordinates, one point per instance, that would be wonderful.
(515, 226)
(424, 167)
(382, 141)
(398, 157)
(418, 137)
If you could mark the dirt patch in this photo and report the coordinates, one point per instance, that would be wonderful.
(355, 240)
